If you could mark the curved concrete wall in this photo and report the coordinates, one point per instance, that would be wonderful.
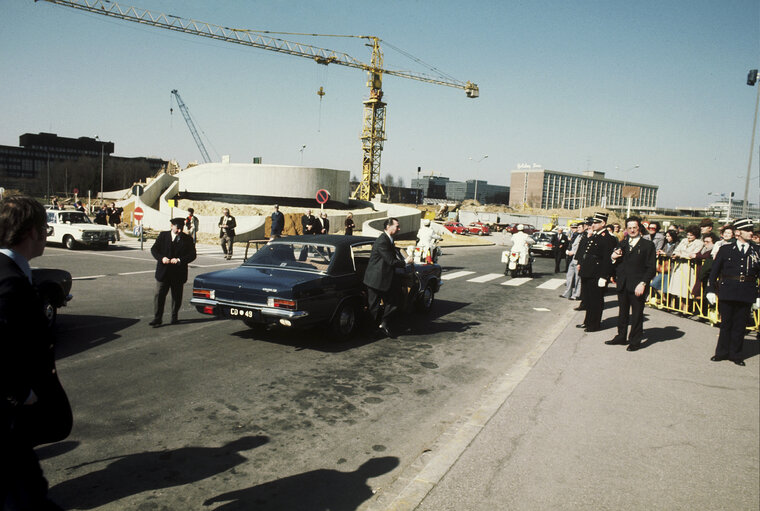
(409, 218)
(265, 181)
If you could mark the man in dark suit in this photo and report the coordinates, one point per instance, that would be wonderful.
(559, 245)
(227, 226)
(34, 408)
(278, 222)
(635, 262)
(383, 260)
(734, 274)
(173, 251)
(595, 269)
(309, 223)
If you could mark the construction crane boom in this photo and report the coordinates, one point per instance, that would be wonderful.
(373, 130)
(191, 125)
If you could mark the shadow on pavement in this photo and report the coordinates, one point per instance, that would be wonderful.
(136, 473)
(660, 334)
(317, 489)
(56, 449)
(751, 347)
(77, 333)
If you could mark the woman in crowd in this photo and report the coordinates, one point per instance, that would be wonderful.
(660, 280)
(705, 258)
(683, 274)
(726, 236)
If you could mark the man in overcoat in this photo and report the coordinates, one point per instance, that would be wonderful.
(734, 277)
(379, 276)
(227, 226)
(34, 408)
(278, 222)
(173, 251)
(595, 269)
(635, 262)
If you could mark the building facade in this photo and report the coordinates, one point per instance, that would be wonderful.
(437, 187)
(549, 189)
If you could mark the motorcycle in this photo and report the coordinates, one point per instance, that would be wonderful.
(518, 263)
(424, 255)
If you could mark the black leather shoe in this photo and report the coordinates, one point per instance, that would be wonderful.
(633, 347)
(582, 325)
(573, 299)
(155, 323)
(739, 362)
(579, 308)
(616, 340)
(717, 359)
(387, 331)
(562, 296)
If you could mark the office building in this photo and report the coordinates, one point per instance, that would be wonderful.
(437, 187)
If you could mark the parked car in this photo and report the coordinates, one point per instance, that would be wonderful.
(72, 228)
(528, 228)
(54, 286)
(478, 228)
(455, 227)
(299, 281)
(543, 243)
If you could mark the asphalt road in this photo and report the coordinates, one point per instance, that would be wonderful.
(202, 415)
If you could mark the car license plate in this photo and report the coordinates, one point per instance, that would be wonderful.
(239, 313)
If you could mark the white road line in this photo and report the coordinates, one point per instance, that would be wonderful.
(486, 277)
(455, 275)
(552, 284)
(135, 272)
(90, 277)
(516, 282)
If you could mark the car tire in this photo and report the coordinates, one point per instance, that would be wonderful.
(344, 322)
(425, 300)
(50, 310)
(68, 242)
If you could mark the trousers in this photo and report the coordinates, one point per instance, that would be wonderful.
(631, 307)
(573, 281)
(390, 299)
(594, 303)
(733, 322)
(159, 300)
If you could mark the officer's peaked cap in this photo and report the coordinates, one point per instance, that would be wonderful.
(744, 224)
(179, 222)
(600, 217)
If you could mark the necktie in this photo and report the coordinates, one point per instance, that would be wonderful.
(744, 248)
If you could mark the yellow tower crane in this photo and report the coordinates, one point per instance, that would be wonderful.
(373, 127)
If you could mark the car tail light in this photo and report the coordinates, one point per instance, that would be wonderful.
(208, 309)
(204, 293)
(281, 303)
(548, 245)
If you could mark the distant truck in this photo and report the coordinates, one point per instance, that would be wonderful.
(72, 228)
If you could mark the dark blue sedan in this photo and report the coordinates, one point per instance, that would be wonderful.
(301, 281)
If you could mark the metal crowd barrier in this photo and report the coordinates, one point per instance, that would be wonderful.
(673, 289)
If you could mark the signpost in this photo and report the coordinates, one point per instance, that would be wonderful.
(322, 197)
(138, 215)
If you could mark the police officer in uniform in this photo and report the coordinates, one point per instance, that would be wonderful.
(595, 269)
(734, 276)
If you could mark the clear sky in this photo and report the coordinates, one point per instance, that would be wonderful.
(570, 85)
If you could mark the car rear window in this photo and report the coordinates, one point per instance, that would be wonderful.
(300, 256)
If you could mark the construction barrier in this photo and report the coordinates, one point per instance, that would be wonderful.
(679, 286)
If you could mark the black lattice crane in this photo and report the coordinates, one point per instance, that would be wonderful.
(373, 127)
(191, 126)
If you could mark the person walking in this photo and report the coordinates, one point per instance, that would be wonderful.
(379, 276)
(595, 269)
(635, 264)
(350, 225)
(559, 245)
(736, 269)
(173, 251)
(227, 226)
(192, 224)
(278, 222)
(573, 281)
(34, 408)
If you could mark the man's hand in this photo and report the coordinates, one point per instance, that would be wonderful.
(616, 253)
(639, 289)
(602, 282)
(756, 304)
(165, 260)
(409, 260)
(174, 260)
(711, 298)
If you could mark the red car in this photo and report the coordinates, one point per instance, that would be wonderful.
(455, 227)
(528, 229)
(479, 228)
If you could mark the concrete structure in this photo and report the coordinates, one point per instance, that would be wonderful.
(547, 189)
(247, 183)
(731, 210)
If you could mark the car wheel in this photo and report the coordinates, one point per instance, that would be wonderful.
(50, 310)
(344, 323)
(425, 300)
(68, 242)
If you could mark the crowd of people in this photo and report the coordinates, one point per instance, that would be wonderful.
(685, 267)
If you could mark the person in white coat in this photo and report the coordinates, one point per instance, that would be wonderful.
(521, 242)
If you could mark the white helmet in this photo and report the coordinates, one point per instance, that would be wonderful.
(425, 222)
(520, 227)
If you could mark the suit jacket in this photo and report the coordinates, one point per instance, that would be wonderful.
(278, 222)
(382, 261)
(560, 242)
(326, 225)
(635, 266)
(735, 275)
(581, 251)
(182, 248)
(307, 224)
(27, 363)
(231, 224)
(596, 262)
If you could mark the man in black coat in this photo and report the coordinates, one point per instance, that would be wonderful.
(734, 275)
(379, 276)
(173, 251)
(635, 261)
(227, 226)
(34, 408)
(585, 232)
(559, 245)
(595, 269)
(278, 222)
(309, 223)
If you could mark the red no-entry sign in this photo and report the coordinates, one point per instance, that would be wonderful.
(322, 196)
(139, 213)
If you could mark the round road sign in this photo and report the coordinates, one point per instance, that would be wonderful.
(76, 191)
(139, 213)
(322, 196)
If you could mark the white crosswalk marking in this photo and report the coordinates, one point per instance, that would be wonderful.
(516, 282)
(552, 284)
(486, 277)
(455, 275)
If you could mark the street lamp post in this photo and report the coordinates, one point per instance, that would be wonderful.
(476, 174)
(628, 206)
(752, 78)
(419, 186)
(101, 166)
(301, 150)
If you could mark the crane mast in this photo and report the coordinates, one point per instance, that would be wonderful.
(373, 126)
(191, 126)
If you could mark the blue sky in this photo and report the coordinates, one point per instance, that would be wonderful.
(570, 85)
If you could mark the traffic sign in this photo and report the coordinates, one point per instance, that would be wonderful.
(137, 190)
(139, 213)
(76, 191)
(322, 196)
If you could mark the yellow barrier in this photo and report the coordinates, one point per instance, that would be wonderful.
(674, 286)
